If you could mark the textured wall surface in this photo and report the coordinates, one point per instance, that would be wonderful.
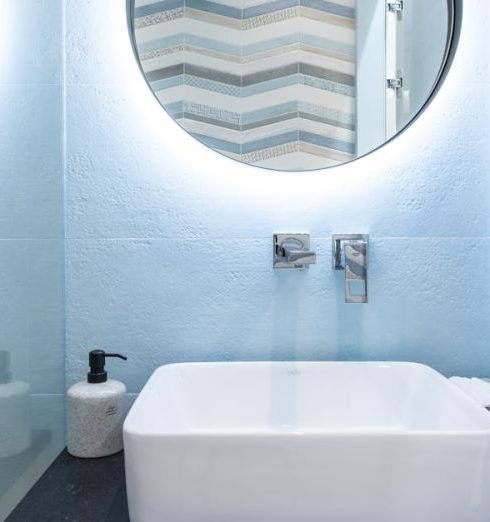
(169, 243)
(31, 234)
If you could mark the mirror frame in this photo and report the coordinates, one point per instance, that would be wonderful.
(455, 17)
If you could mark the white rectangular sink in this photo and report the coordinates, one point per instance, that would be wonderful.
(306, 442)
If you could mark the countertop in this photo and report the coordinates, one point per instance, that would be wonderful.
(77, 490)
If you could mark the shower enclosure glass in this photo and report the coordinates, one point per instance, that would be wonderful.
(31, 245)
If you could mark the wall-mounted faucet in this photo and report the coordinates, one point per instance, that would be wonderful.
(292, 251)
(350, 253)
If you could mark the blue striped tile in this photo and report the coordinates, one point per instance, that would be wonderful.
(167, 83)
(267, 45)
(271, 85)
(330, 143)
(160, 43)
(157, 7)
(330, 7)
(216, 143)
(328, 45)
(269, 112)
(213, 45)
(215, 8)
(272, 141)
(293, 38)
(175, 109)
(269, 7)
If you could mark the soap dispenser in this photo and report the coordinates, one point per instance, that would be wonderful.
(15, 426)
(95, 411)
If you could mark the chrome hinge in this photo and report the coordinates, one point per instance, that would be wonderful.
(395, 6)
(394, 83)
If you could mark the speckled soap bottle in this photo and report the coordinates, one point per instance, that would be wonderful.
(95, 411)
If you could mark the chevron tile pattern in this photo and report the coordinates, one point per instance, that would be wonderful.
(271, 83)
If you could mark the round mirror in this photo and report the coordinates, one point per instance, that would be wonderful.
(292, 84)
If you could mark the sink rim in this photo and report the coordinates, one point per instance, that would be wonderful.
(132, 429)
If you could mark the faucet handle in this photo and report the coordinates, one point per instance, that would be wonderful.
(292, 251)
(349, 253)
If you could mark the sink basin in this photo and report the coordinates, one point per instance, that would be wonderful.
(306, 442)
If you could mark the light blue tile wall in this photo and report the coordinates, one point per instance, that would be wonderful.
(169, 244)
(31, 228)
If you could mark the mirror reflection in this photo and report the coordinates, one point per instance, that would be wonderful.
(292, 84)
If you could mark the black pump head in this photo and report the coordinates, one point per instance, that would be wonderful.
(97, 371)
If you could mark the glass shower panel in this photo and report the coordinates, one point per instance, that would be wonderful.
(410, 33)
(423, 26)
(31, 245)
(400, 49)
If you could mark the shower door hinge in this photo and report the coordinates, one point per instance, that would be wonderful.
(395, 83)
(395, 6)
